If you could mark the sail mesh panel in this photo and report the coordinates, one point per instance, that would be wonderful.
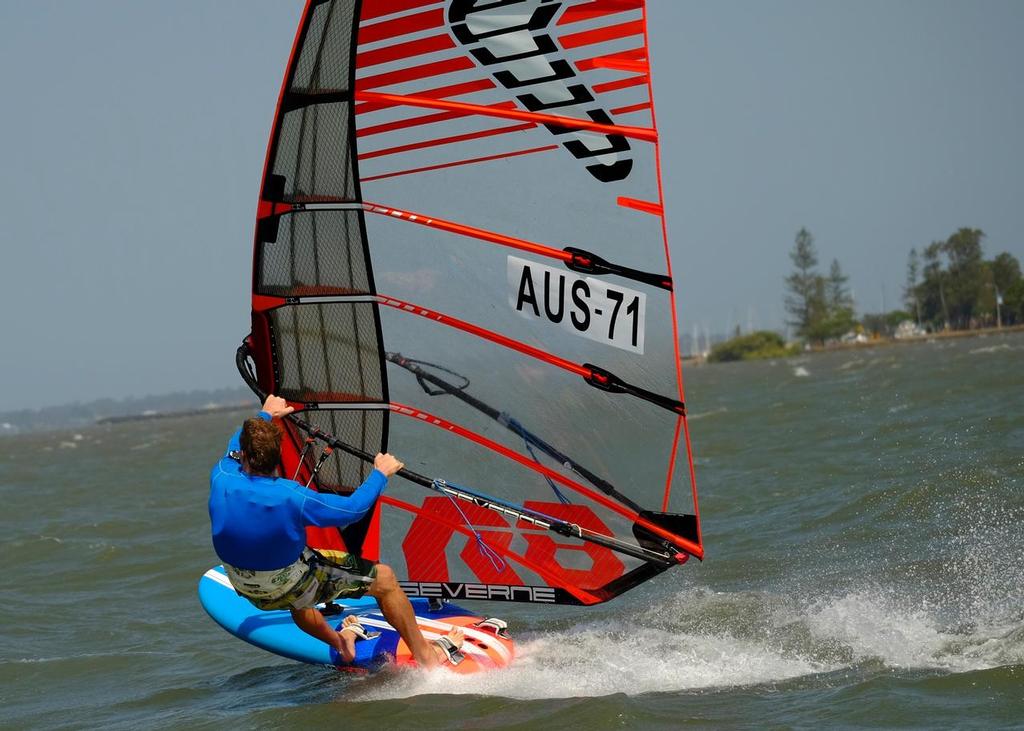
(327, 352)
(363, 429)
(316, 252)
(323, 64)
(313, 153)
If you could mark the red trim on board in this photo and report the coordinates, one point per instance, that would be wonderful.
(600, 35)
(469, 231)
(457, 163)
(409, 49)
(655, 209)
(468, 87)
(502, 112)
(401, 26)
(445, 141)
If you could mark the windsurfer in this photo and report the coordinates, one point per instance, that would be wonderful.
(258, 523)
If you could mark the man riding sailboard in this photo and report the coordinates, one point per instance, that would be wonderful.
(258, 525)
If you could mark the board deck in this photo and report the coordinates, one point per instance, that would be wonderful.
(275, 632)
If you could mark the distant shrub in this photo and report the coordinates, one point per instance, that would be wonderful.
(755, 346)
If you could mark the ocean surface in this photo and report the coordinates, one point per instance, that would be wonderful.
(864, 524)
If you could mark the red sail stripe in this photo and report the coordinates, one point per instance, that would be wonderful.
(414, 73)
(534, 466)
(401, 26)
(457, 163)
(546, 574)
(445, 141)
(619, 64)
(421, 120)
(640, 133)
(672, 463)
(597, 9)
(620, 84)
(654, 209)
(409, 49)
(381, 8)
(443, 92)
(634, 60)
(600, 35)
(404, 123)
(486, 334)
(470, 231)
(631, 108)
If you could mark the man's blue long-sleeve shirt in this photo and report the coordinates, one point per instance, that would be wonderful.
(259, 522)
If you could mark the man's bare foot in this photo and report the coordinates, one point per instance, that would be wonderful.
(456, 636)
(350, 620)
(355, 628)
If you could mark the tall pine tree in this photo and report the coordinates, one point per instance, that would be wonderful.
(804, 285)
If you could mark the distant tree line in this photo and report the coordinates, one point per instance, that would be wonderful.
(952, 285)
(753, 346)
(820, 306)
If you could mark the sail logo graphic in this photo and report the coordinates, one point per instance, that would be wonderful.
(509, 38)
(492, 592)
(434, 533)
(583, 306)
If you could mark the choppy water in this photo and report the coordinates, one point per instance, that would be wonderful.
(864, 520)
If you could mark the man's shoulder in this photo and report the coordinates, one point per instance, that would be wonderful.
(225, 467)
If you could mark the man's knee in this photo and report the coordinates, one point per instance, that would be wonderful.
(384, 580)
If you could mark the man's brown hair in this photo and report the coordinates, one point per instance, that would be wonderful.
(261, 444)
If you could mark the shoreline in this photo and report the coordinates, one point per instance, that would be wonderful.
(698, 360)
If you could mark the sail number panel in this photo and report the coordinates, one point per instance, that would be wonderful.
(583, 306)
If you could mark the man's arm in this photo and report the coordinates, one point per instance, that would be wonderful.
(274, 406)
(325, 509)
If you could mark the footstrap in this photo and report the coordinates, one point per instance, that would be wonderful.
(451, 651)
(359, 631)
(498, 627)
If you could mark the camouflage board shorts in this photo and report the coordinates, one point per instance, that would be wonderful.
(315, 578)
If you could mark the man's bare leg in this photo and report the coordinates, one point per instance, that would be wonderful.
(313, 623)
(397, 610)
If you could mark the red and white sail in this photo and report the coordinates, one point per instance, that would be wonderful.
(461, 258)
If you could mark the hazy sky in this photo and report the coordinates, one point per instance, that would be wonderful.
(133, 134)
